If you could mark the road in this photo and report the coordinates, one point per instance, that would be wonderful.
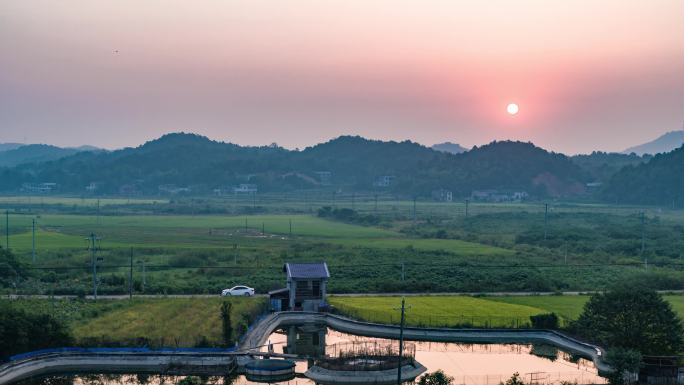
(487, 294)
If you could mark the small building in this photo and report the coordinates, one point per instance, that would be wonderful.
(245, 188)
(39, 188)
(384, 181)
(306, 287)
(442, 195)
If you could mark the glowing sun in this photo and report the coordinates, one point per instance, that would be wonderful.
(512, 108)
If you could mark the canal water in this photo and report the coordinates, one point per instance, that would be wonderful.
(469, 364)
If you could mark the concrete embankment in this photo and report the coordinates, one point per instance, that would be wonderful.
(258, 335)
(168, 363)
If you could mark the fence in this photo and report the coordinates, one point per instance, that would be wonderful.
(366, 355)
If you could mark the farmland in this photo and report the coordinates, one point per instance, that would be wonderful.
(153, 322)
(200, 245)
(496, 311)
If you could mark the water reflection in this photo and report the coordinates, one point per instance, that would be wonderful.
(469, 364)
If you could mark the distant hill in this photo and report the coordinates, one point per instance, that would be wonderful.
(658, 182)
(36, 153)
(664, 143)
(452, 148)
(603, 165)
(349, 163)
(9, 146)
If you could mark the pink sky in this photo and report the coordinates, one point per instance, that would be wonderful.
(587, 74)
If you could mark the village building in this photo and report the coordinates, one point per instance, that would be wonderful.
(306, 288)
(442, 195)
(245, 188)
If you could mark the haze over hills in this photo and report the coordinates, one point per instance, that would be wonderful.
(658, 182)
(13, 154)
(662, 144)
(198, 165)
(453, 148)
(353, 163)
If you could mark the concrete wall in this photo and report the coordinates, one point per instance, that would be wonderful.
(171, 363)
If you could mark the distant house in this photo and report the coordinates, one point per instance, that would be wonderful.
(245, 188)
(93, 186)
(384, 181)
(306, 287)
(498, 196)
(442, 195)
(324, 177)
(172, 189)
(39, 188)
(594, 185)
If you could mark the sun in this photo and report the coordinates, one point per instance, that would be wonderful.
(512, 108)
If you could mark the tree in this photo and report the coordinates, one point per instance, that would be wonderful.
(514, 380)
(632, 317)
(22, 332)
(436, 378)
(226, 325)
(623, 362)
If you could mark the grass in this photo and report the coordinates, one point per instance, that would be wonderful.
(179, 322)
(449, 245)
(166, 322)
(481, 311)
(566, 306)
(73, 201)
(68, 231)
(437, 311)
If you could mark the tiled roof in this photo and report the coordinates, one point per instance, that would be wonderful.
(307, 270)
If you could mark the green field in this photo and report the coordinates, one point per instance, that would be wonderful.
(498, 247)
(155, 322)
(78, 202)
(505, 311)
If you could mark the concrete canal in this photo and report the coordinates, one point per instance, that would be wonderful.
(469, 364)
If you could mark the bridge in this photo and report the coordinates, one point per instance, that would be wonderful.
(226, 361)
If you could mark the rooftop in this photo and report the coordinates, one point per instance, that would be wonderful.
(307, 270)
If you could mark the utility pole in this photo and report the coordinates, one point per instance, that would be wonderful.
(235, 252)
(401, 339)
(93, 239)
(7, 229)
(403, 275)
(142, 262)
(546, 219)
(98, 211)
(643, 238)
(290, 228)
(466, 211)
(33, 240)
(130, 277)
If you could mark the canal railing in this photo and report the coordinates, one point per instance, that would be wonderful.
(259, 333)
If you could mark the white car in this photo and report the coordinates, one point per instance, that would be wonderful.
(238, 291)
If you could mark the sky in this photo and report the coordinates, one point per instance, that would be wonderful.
(587, 75)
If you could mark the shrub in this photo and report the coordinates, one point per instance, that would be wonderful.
(544, 321)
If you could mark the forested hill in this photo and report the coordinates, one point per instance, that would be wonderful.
(35, 153)
(353, 164)
(658, 182)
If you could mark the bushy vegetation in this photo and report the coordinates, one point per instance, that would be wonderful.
(21, 331)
